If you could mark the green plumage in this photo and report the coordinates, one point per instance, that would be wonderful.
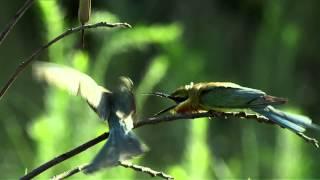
(236, 97)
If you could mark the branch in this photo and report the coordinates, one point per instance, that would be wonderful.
(14, 20)
(308, 139)
(67, 174)
(147, 170)
(211, 114)
(142, 169)
(25, 63)
(64, 156)
(156, 120)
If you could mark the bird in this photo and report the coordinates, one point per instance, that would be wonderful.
(231, 97)
(116, 107)
(84, 13)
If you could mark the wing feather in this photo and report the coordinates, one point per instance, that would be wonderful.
(234, 96)
(73, 81)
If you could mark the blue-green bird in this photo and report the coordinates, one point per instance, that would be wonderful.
(117, 108)
(231, 97)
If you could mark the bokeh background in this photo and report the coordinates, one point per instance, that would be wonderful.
(270, 45)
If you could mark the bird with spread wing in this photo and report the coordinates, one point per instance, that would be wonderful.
(117, 108)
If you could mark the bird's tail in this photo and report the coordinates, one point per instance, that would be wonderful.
(121, 145)
(294, 122)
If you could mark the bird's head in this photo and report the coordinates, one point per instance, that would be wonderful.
(125, 84)
(178, 96)
(123, 99)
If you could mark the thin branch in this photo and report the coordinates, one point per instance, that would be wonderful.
(14, 20)
(311, 140)
(67, 174)
(25, 63)
(147, 170)
(64, 156)
(156, 120)
(138, 168)
(211, 114)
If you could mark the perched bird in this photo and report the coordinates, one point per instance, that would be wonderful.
(230, 97)
(84, 13)
(117, 108)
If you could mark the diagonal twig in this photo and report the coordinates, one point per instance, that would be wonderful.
(147, 170)
(150, 121)
(211, 114)
(138, 168)
(67, 174)
(308, 139)
(25, 63)
(5, 32)
(64, 156)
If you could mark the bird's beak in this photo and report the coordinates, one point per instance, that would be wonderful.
(164, 95)
(165, 110)
(161, 94)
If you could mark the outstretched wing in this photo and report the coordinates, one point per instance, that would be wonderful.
(76, 83)
(229, 95)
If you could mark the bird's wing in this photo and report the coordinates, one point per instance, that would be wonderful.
(230, 95)
(76, 83)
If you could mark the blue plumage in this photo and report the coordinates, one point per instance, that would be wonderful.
(122, 143)
(294, 122)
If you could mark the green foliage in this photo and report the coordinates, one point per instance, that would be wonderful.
(162, 51)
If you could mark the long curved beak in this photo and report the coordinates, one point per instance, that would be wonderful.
(160, 94)
(165, 110)
(164, 95)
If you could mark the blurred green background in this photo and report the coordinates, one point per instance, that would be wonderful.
(270, 45)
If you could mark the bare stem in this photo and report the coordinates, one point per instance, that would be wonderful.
(211, 114)
(26, 62)
(138, 168)
(155, 120)
(308, 139)
(67, 174)
(64, 156)
(147, 170)
(14, 20)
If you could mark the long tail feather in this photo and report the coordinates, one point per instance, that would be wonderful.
(294, 122)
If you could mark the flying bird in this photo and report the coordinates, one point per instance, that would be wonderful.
(117, 108)
(231, 97)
